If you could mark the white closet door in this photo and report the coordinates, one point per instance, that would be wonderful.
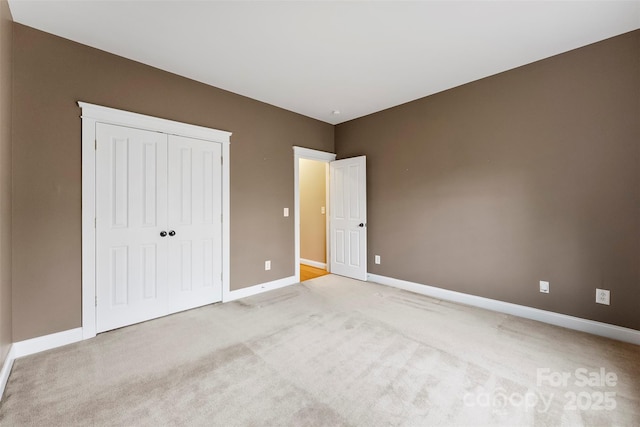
(195, 216)
(131, 211)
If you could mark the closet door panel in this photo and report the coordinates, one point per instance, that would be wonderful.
(131, 210)
(195, 216)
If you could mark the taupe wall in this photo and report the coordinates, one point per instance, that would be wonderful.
(529, 175)
(532, 174)
(6, 65)
(51, 74)
(313, 229)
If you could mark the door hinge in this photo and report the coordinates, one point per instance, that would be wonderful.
(221, 218)
(96, 300)
(222, 160)
(95, 144)
(95, 222)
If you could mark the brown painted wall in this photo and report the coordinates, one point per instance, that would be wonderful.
(6, 65)
(486, 188)
(532, 174)
(51, 74)
(313, 196)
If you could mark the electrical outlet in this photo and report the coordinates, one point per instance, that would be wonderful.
(267, 265)
(322, 210)
(377, 259)
(286, 212)
(603, 296)
(544, 286)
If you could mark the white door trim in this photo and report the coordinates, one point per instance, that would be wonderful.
(320, 156)
(92, 114)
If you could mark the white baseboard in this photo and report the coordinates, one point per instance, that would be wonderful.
(46, 342)
(576, 323)
(6, 370)
(258, 289)
(315, 264)
(35, 345)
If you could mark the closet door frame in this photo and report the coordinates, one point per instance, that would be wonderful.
(93, 114)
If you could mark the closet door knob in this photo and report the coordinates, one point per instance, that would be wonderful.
(172, 233)
(163, 233)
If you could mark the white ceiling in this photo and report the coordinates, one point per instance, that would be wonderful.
(313, 57)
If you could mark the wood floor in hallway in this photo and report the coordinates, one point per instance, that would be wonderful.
(307, 272)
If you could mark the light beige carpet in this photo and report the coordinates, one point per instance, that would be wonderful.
(329, 352)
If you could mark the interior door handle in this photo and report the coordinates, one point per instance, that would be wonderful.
(361, 224)
(172, 233)
(163, 233)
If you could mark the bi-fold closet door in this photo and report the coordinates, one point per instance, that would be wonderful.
(158, 224)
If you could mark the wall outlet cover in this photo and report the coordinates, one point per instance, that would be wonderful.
(377, 259)
(603, 296)
(267, 265)
(544, 286)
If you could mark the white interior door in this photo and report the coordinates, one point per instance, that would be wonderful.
(158, 225)
(348, 224)
(131, 210)
(195, 216)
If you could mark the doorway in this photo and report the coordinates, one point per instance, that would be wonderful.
(311, 166)
(346, 213)
(313, 223)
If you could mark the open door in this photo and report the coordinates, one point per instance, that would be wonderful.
(348, 225)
